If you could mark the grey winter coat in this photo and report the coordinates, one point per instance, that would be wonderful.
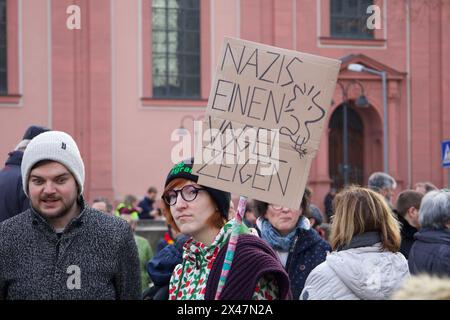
(364, 273)
(95, 258)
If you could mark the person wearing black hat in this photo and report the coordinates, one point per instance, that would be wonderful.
(12, 198)
(201, 213)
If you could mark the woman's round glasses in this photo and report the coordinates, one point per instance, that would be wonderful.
(188, 193)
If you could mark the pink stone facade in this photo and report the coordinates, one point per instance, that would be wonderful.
(95, 83)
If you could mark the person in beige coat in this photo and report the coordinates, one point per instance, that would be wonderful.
(424, 287)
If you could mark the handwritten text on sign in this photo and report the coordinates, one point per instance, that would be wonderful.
(264, 120)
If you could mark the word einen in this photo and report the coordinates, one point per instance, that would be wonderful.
(277, 70)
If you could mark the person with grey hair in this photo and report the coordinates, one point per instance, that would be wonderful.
(60, 248)
(384, 184)
(12, 198)
(430, 252)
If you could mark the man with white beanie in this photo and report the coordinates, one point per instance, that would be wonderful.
(60, 248)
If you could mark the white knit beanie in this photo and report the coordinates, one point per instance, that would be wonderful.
(57, 146)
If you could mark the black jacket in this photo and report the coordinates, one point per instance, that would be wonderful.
(147, 206)
(407, 232)
(12, 198)
(430, 253)
(160, 269)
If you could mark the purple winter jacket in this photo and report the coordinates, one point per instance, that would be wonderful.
(253, 259)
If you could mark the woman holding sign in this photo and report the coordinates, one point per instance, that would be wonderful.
(202, 213)
(288, 232)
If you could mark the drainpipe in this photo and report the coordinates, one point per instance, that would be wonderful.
(408, 93)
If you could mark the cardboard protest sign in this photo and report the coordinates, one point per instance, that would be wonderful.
(264, 119)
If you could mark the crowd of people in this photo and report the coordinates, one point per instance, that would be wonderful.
(366, 245)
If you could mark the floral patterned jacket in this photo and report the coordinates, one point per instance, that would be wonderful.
(188, 281)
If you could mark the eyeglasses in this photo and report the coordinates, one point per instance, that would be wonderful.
(188, 193)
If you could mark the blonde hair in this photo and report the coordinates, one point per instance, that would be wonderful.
(424, 287)
(359, 210)
(216, 220)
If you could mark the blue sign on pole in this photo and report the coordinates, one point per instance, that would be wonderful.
(445, 153)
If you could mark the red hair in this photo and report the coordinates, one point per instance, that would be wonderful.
(216, 220)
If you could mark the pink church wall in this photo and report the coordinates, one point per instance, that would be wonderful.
(29, 76)
(95, 83)
(142, 126)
